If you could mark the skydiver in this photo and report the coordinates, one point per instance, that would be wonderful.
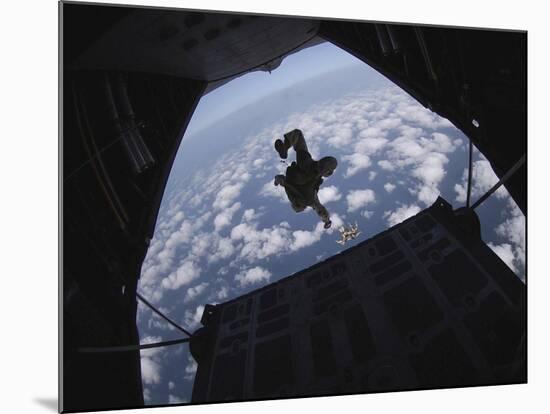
(303, 177)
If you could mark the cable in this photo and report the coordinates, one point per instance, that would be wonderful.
(469, 191)
(504, 178)
(125, 348)
(162, 315)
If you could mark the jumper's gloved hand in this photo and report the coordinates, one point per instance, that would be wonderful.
(279, 180)
(328, 224)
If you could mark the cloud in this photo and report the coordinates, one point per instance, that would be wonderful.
(151, 366)
(357, 163)
(259, 244)
(386, 165)
(159, 261)
(372, 175)
(252, 276)
(483, 178)
(431, 169)
(389, 187)
(190, 368)
(400, 214)
(156, 322)
(506, 254)
(423, 157)
(223, 219)
(410, 111)
(185, 274)
(373, 133)
(340, 137)
(223, 249)
(427, 194)
(370, 145)
(195, 291)
(171, 222)
(512, 230)
(367, 214)
(304, 238)
(222, 293)
(359, 198)
(328, 194)
(147, 394)
(192, 319)
(250, 215)
(150, 371)
(270, 190)
(227, 195)
(173, 399)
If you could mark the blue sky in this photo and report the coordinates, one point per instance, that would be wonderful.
(224, 229)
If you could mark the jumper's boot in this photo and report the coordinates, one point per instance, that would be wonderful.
(281, 148)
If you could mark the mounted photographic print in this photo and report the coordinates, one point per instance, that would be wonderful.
(261, 207)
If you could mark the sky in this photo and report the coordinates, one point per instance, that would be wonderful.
(224, 229)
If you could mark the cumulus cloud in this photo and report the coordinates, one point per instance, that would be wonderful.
(270, 190)
(506, 254)
(389, 187)
(195, 291)
(222, 248)
(147, 394)
(386, 165)
(192, 319)
(370, 145)
(190, 368)
(156, 322)
(367, 214)
(340, 137)
(150, 371)
(373, 137)
(185, 274)
(359, 198)
(427, 194)
(252, 276)
(483, 178)
(161, 259)
(303, 238)
(227, 195)
(173, 399)
(151, 361)
(410, 111)
(259, 244)
(357, 162)
(431, 168)
(372, 175)
(512, 229)
(423, 157)
(400, 214)
(171, 222)
(250, 215)
(223, 219)
(329, 194)
(222, 293)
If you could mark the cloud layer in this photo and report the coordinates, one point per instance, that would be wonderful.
(223, 229)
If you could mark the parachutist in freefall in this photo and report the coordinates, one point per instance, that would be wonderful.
(304, 176)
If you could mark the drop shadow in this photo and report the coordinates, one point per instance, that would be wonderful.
(49, 403)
